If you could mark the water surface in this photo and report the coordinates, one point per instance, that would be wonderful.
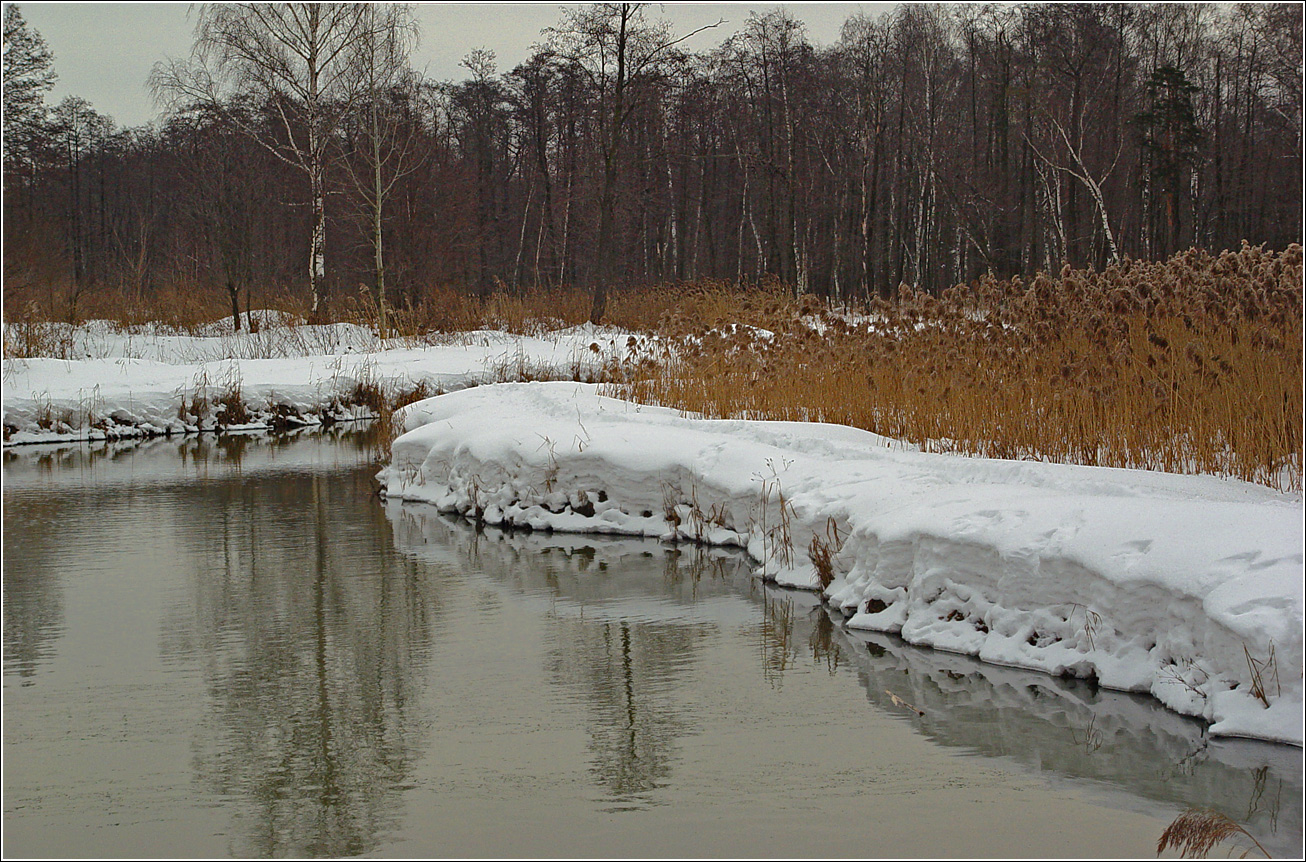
(236, 649)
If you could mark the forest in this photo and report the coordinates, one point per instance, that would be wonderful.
(299, 158)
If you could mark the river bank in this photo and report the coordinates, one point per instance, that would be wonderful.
(1188, 588)
(148, 384)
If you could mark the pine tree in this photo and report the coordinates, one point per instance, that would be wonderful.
(1171, 141)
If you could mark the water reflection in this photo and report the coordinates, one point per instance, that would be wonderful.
(625, 637)
(310, 634)
(315, 641)
(629, 620)
(338, 661)
(776, 646)
(33, 602)
(623, 670)
(826, 643)
(1073, 729)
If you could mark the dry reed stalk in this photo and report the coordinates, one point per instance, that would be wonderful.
(1193, 365)
(1198, 830)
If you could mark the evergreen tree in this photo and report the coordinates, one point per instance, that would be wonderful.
(1171, 142)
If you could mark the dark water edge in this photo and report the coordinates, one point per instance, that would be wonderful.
(235, 648)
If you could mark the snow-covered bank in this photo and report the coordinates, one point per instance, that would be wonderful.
(145, 385)
(1187, 587)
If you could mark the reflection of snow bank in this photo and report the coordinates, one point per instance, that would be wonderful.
(179, 461)
(1070, 728)
(1145, 581)
(1059, 729)
(146, 385)
(599, 579)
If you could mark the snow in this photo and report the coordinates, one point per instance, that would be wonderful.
(1185, 587)
(146, 382)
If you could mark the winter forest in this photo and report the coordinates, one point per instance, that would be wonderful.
(297, 153)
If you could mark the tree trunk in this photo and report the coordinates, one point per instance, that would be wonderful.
(234, 293)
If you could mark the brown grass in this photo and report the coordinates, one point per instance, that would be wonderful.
(1198, 830)
(1193, 365)
(822, 552)
(1262, 671)
(385, 428)
(433, 310)
(232, 406)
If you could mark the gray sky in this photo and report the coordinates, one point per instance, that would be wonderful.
(103, 52)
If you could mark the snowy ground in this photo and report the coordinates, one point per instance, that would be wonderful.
(1187, 587)
(147, 382)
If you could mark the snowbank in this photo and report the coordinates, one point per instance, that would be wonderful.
(150, 384)
(1187, 587)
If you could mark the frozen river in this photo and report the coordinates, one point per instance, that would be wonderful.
(236, 649)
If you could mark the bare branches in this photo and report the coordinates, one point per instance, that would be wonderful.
(925, 147)
(301, 60)
(1079, 171)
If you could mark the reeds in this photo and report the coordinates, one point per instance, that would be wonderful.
(37, 322)
(1192, 365)
(1198, 830)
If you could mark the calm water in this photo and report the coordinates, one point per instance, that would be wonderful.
(237, 649)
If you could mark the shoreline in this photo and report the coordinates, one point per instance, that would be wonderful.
(1184, 587)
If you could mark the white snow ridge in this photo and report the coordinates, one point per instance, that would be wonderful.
(1187, 587)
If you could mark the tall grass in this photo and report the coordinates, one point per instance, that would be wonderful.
(421, 313)
(1196, 832)
(1188, 365)
(1192, 365)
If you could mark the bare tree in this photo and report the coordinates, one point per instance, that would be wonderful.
(296, 57)
(480, 110)
(614, 45)
(222, 184)
(79, 131)
(386, 136)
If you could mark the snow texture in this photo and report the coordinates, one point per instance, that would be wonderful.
(1185, 587)
(144, 384)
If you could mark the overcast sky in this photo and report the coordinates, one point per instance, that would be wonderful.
(103, 52)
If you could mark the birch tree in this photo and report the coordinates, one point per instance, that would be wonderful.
(386, 139)
(298, 59)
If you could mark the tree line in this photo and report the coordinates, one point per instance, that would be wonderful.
(297, 150)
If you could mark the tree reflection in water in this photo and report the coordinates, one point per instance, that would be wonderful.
(624, 632)
(33, 599)
(623, 648)
(311, 635)
(626, 672)
(314, 641)
(307, 625)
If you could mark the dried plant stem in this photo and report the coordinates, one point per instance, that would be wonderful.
(1195, 832)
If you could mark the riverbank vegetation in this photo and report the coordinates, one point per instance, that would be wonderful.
(989, 241)
(1189, 365)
